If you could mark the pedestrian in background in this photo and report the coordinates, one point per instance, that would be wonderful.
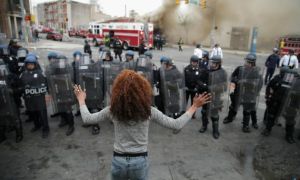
(131, 113)
(289, 60)
(87, 48)
(198, 51)
(271, 63)
(180, 42)
(216, 51)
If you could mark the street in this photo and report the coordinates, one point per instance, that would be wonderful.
(188, 155)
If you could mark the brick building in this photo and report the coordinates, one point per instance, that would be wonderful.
(66, 14)
(10, 17)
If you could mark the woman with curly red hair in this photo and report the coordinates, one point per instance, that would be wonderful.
(131, 112)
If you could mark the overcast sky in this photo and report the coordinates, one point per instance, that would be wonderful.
(117, 7)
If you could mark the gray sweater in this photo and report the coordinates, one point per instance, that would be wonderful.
(132, 137)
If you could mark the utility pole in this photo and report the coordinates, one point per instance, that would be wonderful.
(23, 24)
(125, 11)
(253, 40)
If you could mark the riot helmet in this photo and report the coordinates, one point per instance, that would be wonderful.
(166, 62)
(30, 61)
(77, 55)
(148, 54)
(215, 62)
(250, 59)
(52, 55)
(194, 58)
(205, 55)
(129, 55)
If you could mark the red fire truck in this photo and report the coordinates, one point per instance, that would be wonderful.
(130, 33)
(289, 42)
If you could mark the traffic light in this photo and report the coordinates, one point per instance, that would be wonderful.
(177, 2)
(203, 4)
(186, 1)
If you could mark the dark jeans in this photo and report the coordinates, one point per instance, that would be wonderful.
(269, 74)
(68, 118)
(40, 119)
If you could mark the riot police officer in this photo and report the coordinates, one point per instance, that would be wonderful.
(90, 78)
(77, 55)
(34, 87)
(129, 63)
(283, 99)
(246, 83)
(9, 112)
(59, 74)
(213, 81)
(204, 61)
(171, 88)
(192, 75)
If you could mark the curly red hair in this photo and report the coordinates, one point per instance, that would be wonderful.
(131, 97)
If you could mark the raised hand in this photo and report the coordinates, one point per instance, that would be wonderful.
(200, 100)
(80, 94)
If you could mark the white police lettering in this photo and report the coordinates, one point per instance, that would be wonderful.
(35, 75)
(35, 91)
(2, 82)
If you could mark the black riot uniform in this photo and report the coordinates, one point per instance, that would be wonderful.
(118, 48)
(34, 86)
(192, 78)
(248, 82)
(90, 79)
(214, 81)
(283, 99)
(9, 112)
(59, 74)
(171, 89)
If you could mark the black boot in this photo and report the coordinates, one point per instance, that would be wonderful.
(215, 126)
(254, 119)
(204, 125)
(246, 119)
(230, 117)
(289, 137)
(70, 130)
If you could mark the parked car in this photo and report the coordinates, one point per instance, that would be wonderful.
(54, 36)
(46, 30)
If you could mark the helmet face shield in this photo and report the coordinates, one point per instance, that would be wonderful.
(77, 57)
(212, 65)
